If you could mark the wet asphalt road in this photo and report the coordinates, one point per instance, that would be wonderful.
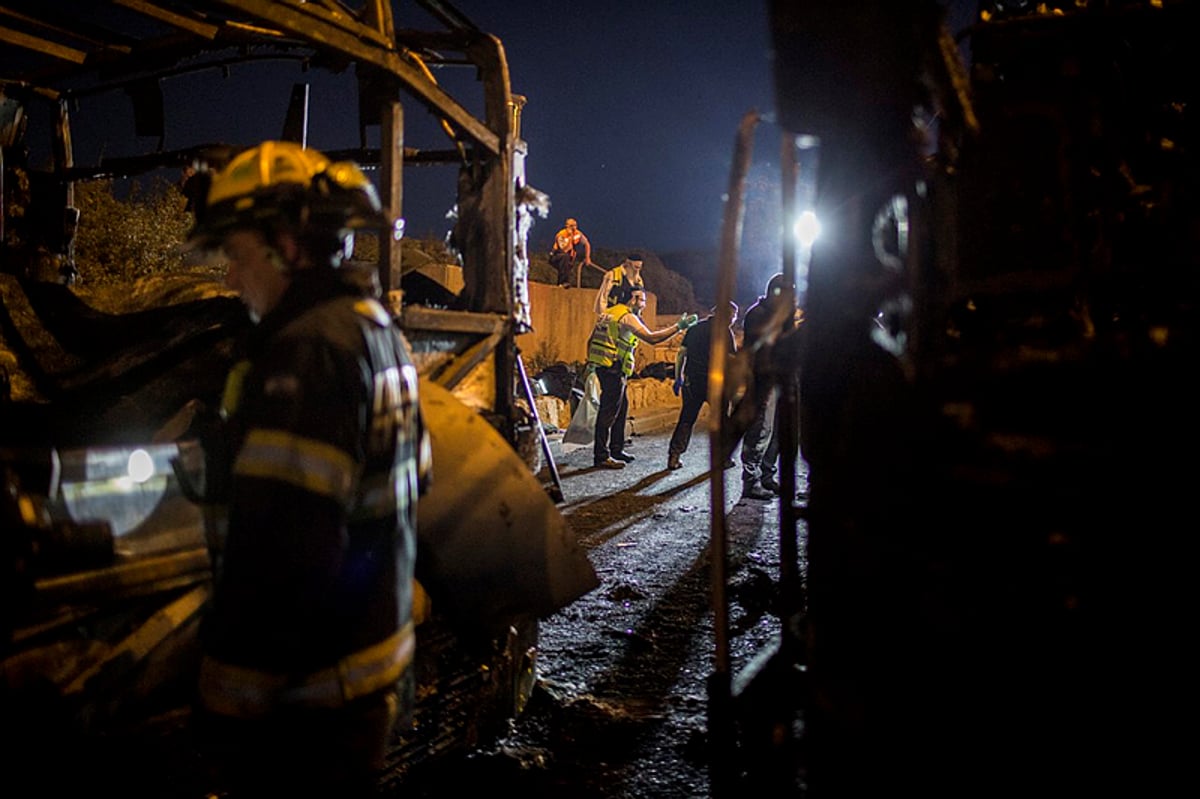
(621, 704)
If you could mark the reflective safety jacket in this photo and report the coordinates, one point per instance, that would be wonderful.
(312, 602)
(566, 240)
(612, 342)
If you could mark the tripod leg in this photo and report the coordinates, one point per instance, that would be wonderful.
(556, 492)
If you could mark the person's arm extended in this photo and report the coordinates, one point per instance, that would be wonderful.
(656, 336)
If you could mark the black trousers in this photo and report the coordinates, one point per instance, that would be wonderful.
(611, 415)
(564, 264)
(694, 396)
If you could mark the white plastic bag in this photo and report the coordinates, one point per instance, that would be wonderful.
(581, 432)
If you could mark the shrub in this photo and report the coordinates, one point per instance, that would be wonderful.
(121, 240)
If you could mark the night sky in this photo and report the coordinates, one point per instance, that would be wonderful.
(630, 121)
(632, 110)
(631, 117)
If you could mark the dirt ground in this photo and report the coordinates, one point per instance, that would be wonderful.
(620, 708)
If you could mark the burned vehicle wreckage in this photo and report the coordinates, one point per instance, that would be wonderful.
(984, 594)
(107, 559)
(990, 391)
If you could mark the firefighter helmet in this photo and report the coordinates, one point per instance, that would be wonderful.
(281, 184)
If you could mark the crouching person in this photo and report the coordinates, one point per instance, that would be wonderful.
(309, 636)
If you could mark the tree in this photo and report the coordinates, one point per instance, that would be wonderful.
(121, 240)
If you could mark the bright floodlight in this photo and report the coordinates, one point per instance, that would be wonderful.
(141, 466)
(807, 228)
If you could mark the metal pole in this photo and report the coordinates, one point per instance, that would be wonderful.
(555, 491)
(391, 178)
(787, 414)
(719, 683)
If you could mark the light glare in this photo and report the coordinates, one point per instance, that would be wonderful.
(807, 228)
(141, 466)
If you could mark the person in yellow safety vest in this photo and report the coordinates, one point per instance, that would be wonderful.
(610, 354)
(627, 273)
(570, 253)
(308, 642)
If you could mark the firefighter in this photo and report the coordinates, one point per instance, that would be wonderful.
(571, 252)
(309, 639)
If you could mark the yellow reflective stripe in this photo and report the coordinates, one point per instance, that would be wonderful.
(376, 667)
(372, 310)
(231, 399)
(313, 465)
(249, 693)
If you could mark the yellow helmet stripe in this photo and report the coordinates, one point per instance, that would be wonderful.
(312, 465)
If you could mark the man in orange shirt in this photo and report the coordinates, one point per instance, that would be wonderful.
(571, 252)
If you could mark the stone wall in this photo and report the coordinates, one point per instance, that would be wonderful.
(562, 321)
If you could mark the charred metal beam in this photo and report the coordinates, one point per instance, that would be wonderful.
(288, 18)
(378, 14)
(437, 320)
(189, 24)
(211, 154)
(391, 182)
(49, 22)
(133, 66)
(448, 15)
(43, 46)
(130, 652)
(435, 41)
(143, 575)
(452, 373)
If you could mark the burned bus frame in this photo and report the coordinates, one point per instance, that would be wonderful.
(515, 570)
(996, 422)
(493, 305)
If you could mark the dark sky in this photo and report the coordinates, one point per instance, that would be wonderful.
(630, 123)
(632, 110)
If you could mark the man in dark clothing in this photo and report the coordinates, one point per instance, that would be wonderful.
(760, 445)
(310, 634)
(691, 381)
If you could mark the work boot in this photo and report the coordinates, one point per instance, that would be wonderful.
(623, 456)
(673, 462)
(755, 491)
(770, 484)
(609, 463)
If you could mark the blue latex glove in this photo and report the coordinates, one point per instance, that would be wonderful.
(677, 386)
(686, 321)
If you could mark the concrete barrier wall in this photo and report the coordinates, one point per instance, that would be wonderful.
(562, 321)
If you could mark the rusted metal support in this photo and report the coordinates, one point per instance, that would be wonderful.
(391, 181)
(138, 646)
(378, 14)
(18, 39)
(154, 11)
(461, 366)
(294, 19)
(487, 197)
(417, 317)
(721, 733)
(787, 415)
